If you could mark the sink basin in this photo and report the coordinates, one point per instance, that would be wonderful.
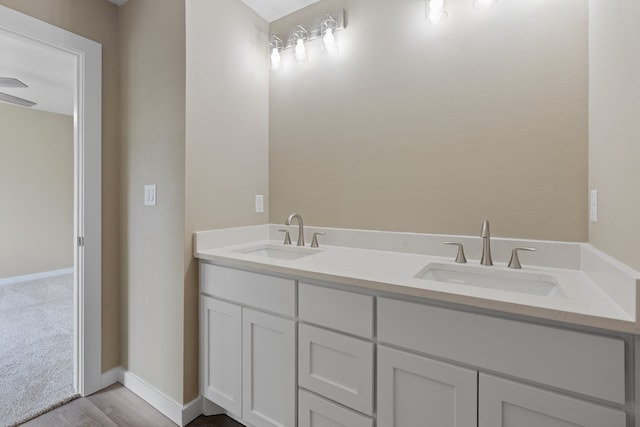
(274, 251)
(490, 278)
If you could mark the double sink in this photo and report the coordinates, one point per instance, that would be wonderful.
(524, 282)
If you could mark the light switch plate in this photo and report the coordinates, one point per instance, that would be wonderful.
(150, 195)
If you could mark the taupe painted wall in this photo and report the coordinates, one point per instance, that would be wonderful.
(97, 20)
(227, 136)
(152, 61)
(614, 127)
(36, 188)
(416, 127)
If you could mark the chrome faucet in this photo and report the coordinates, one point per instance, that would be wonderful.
(300, 227)
(486, 244)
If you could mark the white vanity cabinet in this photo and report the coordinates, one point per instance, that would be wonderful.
(248, 355)
(278, 353)
(414, 390)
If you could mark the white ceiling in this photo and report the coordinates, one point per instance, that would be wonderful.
(270, 10)
(49, 73)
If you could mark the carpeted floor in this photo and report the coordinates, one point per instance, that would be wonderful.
(36, 347)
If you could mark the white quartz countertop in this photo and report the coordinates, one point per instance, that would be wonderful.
(586, 302)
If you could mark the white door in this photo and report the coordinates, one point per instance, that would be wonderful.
(221, 353)
(268, 367)
(416, 391)
(87, 187)
(506, 403)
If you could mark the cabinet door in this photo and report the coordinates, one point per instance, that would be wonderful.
(336, 366)
(268, 363)
(221, 353)
(506, 403)
(313, 411)
(416, 391)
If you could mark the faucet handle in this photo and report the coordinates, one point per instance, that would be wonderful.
(460, 258)
(514, 262)
(287, 238)
(314, 239)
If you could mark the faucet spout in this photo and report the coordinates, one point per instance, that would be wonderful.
(486, 244)
(300, 227)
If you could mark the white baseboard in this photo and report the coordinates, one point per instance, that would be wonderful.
(176, 412)
(35, 276)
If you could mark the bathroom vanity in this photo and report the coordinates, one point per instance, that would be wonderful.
(348, 334)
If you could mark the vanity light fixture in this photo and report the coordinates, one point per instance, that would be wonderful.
(437, 11)
(327, 29)
(483, 4)
(322, 27)
(300, 36)
(276, 45)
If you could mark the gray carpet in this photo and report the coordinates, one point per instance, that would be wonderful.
(36, 347)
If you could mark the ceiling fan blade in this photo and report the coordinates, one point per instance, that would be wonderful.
(11, 82)
(5, 97)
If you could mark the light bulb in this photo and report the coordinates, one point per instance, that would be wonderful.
(483, 4)
(275, 59)
(437, 12)
(329, 41)
(300, 50)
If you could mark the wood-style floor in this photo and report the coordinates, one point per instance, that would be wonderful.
(116, 406)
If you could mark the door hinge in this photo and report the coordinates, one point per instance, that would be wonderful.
(80, 241)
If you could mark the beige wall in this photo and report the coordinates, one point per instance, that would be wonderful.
(227, 135)
(152, 60)
(36, 186)
(416, 127)
(614, 127)
(97, 20)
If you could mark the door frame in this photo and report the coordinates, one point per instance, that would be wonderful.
(87, 188)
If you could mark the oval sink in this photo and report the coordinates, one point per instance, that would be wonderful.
(489, 278)
(274, 251)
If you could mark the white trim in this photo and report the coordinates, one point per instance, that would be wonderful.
(176, 412)
(112, 376)
(191, 410)
(87, 186)
(35, 276)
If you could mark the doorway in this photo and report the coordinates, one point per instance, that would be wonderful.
(86, 56)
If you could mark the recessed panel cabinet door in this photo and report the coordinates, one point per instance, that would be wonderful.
(416, 391)
(268, 362)
(506, 403)
(221, 354)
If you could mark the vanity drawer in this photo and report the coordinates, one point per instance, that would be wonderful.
(314, 411)
(336, 366)
(256, 290)
(344, 311)
(579, 362)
